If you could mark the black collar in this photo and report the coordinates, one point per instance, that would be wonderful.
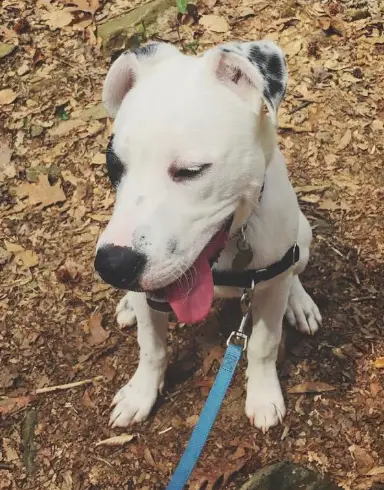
(250, 277)
(245, 279)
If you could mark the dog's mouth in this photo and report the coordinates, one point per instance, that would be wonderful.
(191, 296)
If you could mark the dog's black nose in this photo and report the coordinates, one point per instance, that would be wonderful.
(119, 266)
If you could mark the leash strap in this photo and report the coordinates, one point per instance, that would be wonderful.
(207, 418)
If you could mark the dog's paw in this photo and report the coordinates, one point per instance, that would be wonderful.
(125, 314)
(134, 401)
(302, 312)
(264, 405)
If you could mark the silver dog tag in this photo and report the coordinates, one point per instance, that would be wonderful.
(244, 254)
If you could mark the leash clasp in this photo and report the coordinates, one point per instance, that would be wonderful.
(238, 336)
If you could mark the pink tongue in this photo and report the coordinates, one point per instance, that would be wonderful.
(192, 295)
(192, 299)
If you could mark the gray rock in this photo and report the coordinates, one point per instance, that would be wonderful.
(288, 476)
(6, 49)
(116, 32)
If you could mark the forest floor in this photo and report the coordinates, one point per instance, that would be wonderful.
(57, 322)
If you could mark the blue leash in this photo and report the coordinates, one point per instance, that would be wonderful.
(212, 405)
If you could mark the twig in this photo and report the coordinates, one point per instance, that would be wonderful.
(5, 466)
(67, 386)
(363, 298)
(305, 104)
(116, 441)
(165, 431)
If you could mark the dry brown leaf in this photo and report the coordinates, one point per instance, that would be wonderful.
(214, 23)
(66, 127)
(97, 333)
(345, 140)
(116, 441)
(69, 272)
(215, 354)
(28, 257)
(312, 387)
(90, 6)
(41, 193)
(329, 205)
(87, 400)
(10, 405)
(191, 421)
(7, 96)
(109, 372)
(377, 470)
(364, 461)
(57, 19)
(7, 168)
(149, 458)
(9, 451)
(379, 363)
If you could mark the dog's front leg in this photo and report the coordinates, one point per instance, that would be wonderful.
(135, 400)
(265, 404)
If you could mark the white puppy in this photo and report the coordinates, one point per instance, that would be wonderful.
(192, 148)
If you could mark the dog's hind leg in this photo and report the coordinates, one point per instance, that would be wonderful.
(302, 312)
(265, 404)
(135, 400)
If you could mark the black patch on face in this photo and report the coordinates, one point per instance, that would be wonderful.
(115, 166)
(148, 50)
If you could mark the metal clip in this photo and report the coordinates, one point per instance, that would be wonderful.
(238, 336)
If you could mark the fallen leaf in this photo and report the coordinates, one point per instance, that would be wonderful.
(97, 333)
(239, 453)
(312, 387)
(149, 458)
(7, 168)
(41, 193)
(7, 96)
(9, 451)
(345, 140)
(117, 440)
(66, 127)
(7, 378)
(364, 461)
(310, 188)
(58, 18)
(378, 470)
(10, 405)
(99, 159)
(379, 363)
(69, 272)
(329, 205)
(28, 257)
(214, 23)
(86, 400)
(90, 6)
(192, 421)
(325, 23)
(109, 372)
(215, 354)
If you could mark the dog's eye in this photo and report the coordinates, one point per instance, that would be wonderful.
(189, 173)
(115, 166)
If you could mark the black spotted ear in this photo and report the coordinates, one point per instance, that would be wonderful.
(128, 68)
(260, 65)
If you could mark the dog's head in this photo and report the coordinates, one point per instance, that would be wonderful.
(187, 157)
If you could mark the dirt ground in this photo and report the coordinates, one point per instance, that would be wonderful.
(57, 321)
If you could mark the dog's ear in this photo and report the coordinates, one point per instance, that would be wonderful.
(128, 68)
(254, 66)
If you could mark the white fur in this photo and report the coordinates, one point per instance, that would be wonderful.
(187, 111)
